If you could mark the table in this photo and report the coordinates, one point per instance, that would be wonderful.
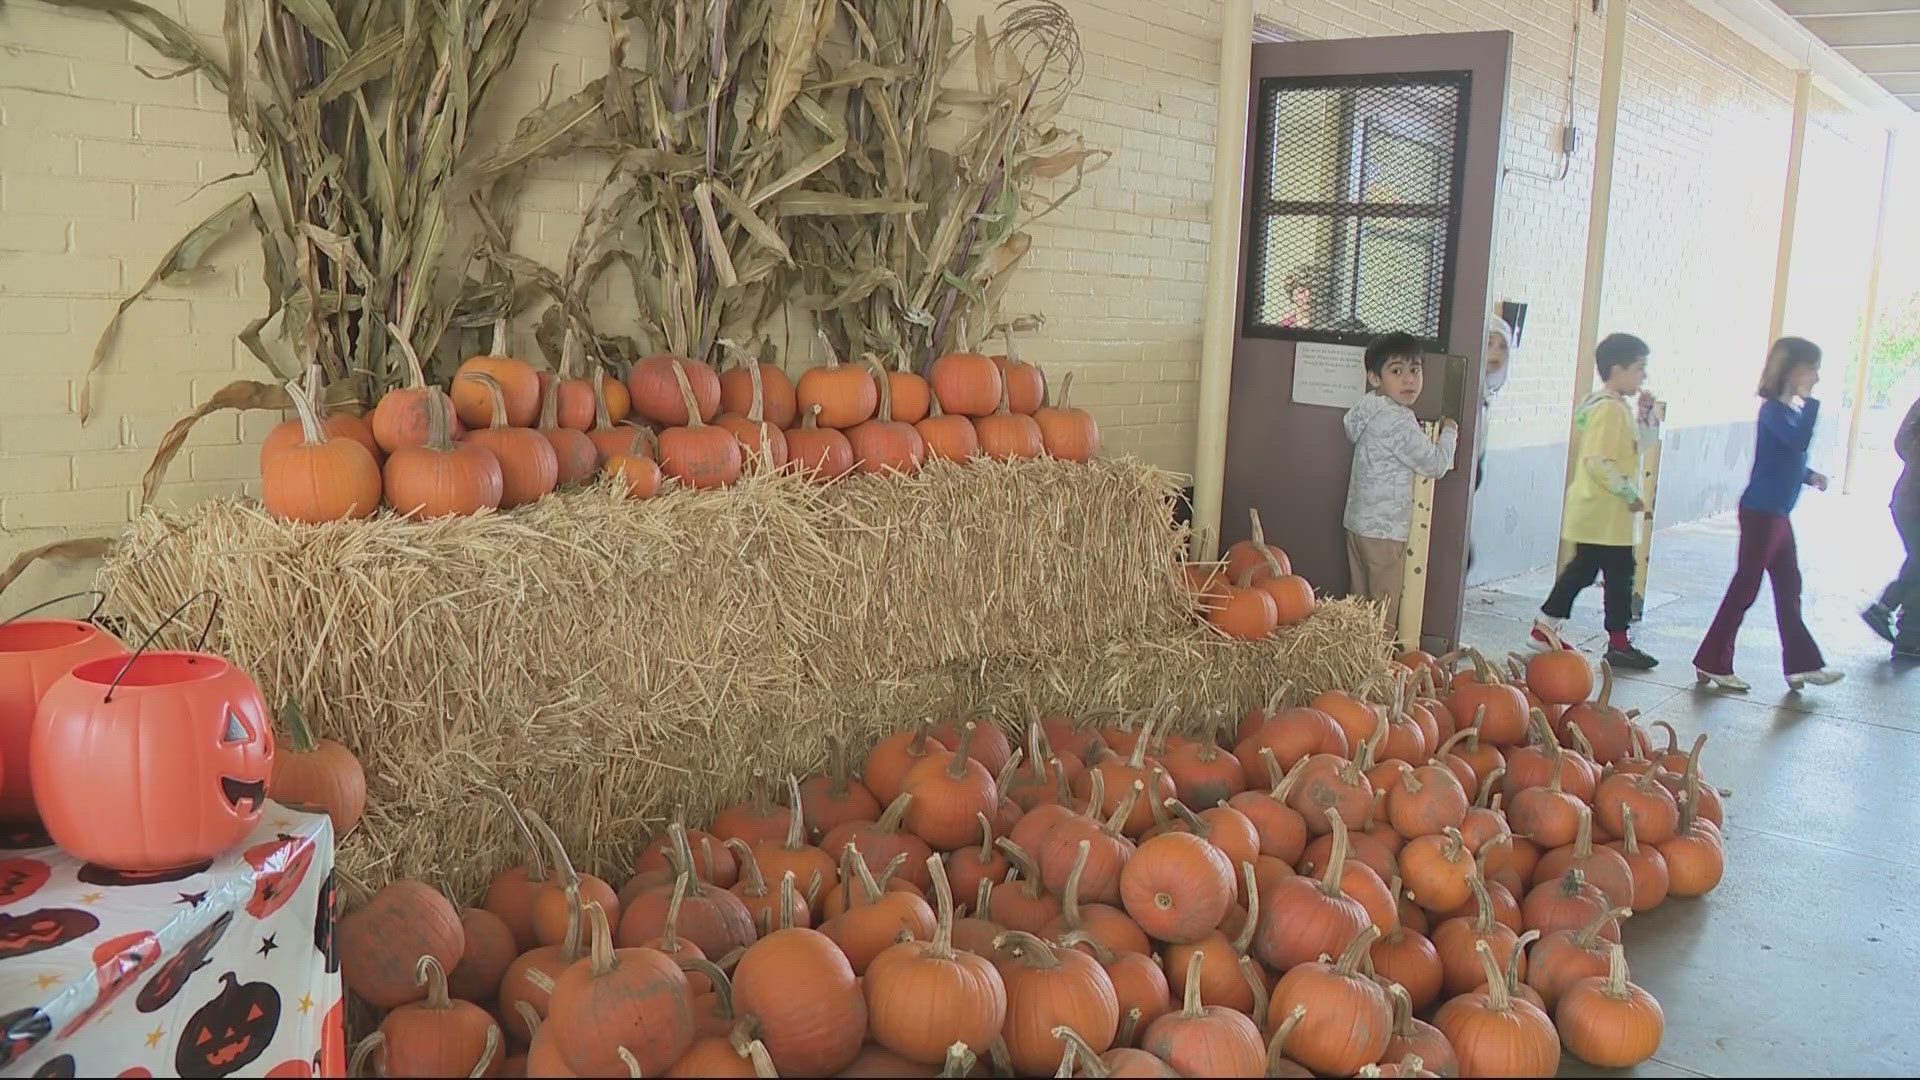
(227, 968)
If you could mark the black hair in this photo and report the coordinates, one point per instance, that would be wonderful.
(1394, 346)
(1617, 351)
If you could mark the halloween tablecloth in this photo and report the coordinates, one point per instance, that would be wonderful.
(227, 968)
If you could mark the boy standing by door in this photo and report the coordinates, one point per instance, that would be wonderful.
(1389, 448)
(1603, 502)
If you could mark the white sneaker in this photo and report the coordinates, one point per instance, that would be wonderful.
(1823, 677)
(1729, 681)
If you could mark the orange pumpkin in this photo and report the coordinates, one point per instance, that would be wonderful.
(636, 468)
(845, 393)
(1049, 988)
(323, 477)
(610, 438)
(821, 453)
(948, 437)
(761, 441)
(778, 402)
(574, 395)
(437, 1036)
(383, 941)
(658, 395)
(912, 396)
(575, 456)
(924, 997)
(1348, 1020)
(487, 952)
(403, 417)
(884, 444)
(1246, 613)
(636, 1000)
(442, 478)
(1205, 1040)
(519, 387)
(967, 383)
(815, 1033)
(1005, 434)
(528, 467)
(697, 455)
(1026, 383)
(317, 772)
(1256, 556)
(1067, 433)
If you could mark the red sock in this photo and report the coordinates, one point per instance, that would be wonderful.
(1619, 640)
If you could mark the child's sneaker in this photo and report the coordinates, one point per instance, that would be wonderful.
(1823, 677)
(1879, 620)
(1630, 658)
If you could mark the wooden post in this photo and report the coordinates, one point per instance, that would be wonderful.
(1649, 489)
(1413, 580)
(1864, 370)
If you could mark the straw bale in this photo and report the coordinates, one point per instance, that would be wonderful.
(606, 660)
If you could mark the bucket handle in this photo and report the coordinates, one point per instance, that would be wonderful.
(198, 646)
(100, 601)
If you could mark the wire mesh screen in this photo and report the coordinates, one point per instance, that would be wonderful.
(1356, 206)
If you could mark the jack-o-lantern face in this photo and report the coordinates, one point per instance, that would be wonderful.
(20, 1031)
(165, 769)
(229, 1032)
(46, 928)
(95, 874)
(279, 866)
(326, 913)
(21, 878)
(167, 982)
(116, 964)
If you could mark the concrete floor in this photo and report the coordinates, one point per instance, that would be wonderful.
(1804, 962)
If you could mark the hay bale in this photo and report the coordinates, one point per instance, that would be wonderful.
(604, 660)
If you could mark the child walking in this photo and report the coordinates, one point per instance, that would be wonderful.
(1787, 416)
(1603, 502)
(1389, 449)
(1903, 594)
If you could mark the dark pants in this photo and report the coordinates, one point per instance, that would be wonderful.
(1904, 593)
(1590, 561)
(1766, 549)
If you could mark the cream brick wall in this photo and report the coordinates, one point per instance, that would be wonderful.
(99, 168)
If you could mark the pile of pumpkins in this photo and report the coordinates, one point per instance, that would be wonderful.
(508, 433)
(1253, 591)
(1430, 886)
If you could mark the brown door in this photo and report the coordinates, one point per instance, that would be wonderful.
(1372, 170)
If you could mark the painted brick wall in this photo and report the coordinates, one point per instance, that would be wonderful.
(99, 168)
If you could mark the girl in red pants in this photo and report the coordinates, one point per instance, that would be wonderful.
(1780, 470)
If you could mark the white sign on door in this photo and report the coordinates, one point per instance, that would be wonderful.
(1331, 375)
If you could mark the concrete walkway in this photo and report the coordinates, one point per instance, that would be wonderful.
(1805, 961)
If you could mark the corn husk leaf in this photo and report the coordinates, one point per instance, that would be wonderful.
(242, 395)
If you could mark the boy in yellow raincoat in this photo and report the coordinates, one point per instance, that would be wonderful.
(1603, 502)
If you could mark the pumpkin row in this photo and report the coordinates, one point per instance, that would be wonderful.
(967, 907)
(317, 469)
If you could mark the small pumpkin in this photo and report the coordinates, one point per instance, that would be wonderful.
(1348, 1020)
(1696, 858)
(435, 1036)
(317, 772)
(778, 403)
(1049, 988)
(1255, 556)
(1301, 917)
(713, 918)
(1026, 384)
(1562, 676)
(1506, 710)
(1006, 435)
(636, 1000)
(403, 418)
(1206, 1040)
(877, 917)
(1103, 926)
(845, 393)
(440, 477)
(551, 913)
(611, 438)
(1177, 886)
(924, 997)
(1608, 1021)
(834, 798)
(762, 443)
(519, 401)
(1245, 612)
(323, 477)
(820, 453)
(882, 840)
(561, 396)
(487, 951)
(697, 454)
(969, 384)
(1564, 957)
(1414, 1036)
(382, 942)
(885, 444)
(949, 436)
(1606, 727)
(637, 468)
(1496, 1034)
(512, 892)
(815, 1033)
(672, 400)
(528, 467)
(1066, 433)
(1079, 1059)
(1645, 864)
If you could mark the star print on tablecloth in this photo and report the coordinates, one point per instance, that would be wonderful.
(267, 944)
(45, 981)
(91, 898)
(192, 899)
(306, 1004)
(154, 1037)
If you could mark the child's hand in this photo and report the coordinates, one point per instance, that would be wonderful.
(1636, 506)
(1449, 424)
(1817, 481)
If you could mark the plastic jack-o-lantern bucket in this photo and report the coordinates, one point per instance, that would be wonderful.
(152, 761)
(34, 653)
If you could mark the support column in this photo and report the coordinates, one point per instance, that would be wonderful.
(1599, 214)
(1223, 270)
(1872, 315)
(1796, 152)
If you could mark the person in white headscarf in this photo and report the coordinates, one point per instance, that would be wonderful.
(1493, 377)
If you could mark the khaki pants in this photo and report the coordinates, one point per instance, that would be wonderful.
(1378, 567)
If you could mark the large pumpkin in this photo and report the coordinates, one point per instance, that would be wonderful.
(442, 478)
(151, 762)
(777, 400)
(324, 476)
(837, 395)
(967, 383)
(382, 941)
(698, 455)
(34, 654)
(656, 392)
(636, 1000)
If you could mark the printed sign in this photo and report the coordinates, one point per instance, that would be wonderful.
(1331, 375)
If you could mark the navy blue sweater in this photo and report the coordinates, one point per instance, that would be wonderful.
(1780, 457)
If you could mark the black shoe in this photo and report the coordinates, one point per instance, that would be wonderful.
(1907, 653)
(1879, 620)
(1631, 659)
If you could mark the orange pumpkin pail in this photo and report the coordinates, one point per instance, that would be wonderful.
(152, 761)
(34, 654)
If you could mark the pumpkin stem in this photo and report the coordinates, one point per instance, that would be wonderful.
(862, 873)
(1070, 900)
(600, 953)
(1456, 843)
(1008, 770)
(602, 417)
(1191, 1008)
(1589, 935)
(670, 933)
(1580, 740)
(957, 761)
(1631, 841)
(762, 1061)
(1337, 861)
(888, 871)
(1257, 983)
(681, 856)
(1138, 759)
(757, 408)
(1499, 999)
(983, 900)
(1673, 737)
(1291, 780)
(1277, 1046)
(1125, 809)
(1077, 1047)
(1574, 883)
(484, 1066)
(536, 850)
(358, 1065)
(527, 1017)
(499, 346)
(1187, 817)
(1440, 755)
(626, 1056)
(810, 419)
(722, 986)
(302, 395)
(1129, 1028)
(1583, 836)
(885, 386)
(1096, 791)
(686, 394)
(1259, 534)
(833, 355)
(1402, 1010)
(1411, 781)
(1483, 922)
(1616, 986)
(890, 821)
(428, 973)
(416, 377)
(1279, 694)
(985, 855)
(1513, 958)
(1483, 799)
(797, 818)
(756, 885)
(1357, 950)
(1094, 945)
(498, 396)
(1023, 865)
(961, 1059)
(1031, 950)
(942, 946)
(1606, 684)
(837, 767)
(789, 904)
(1066, 391)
